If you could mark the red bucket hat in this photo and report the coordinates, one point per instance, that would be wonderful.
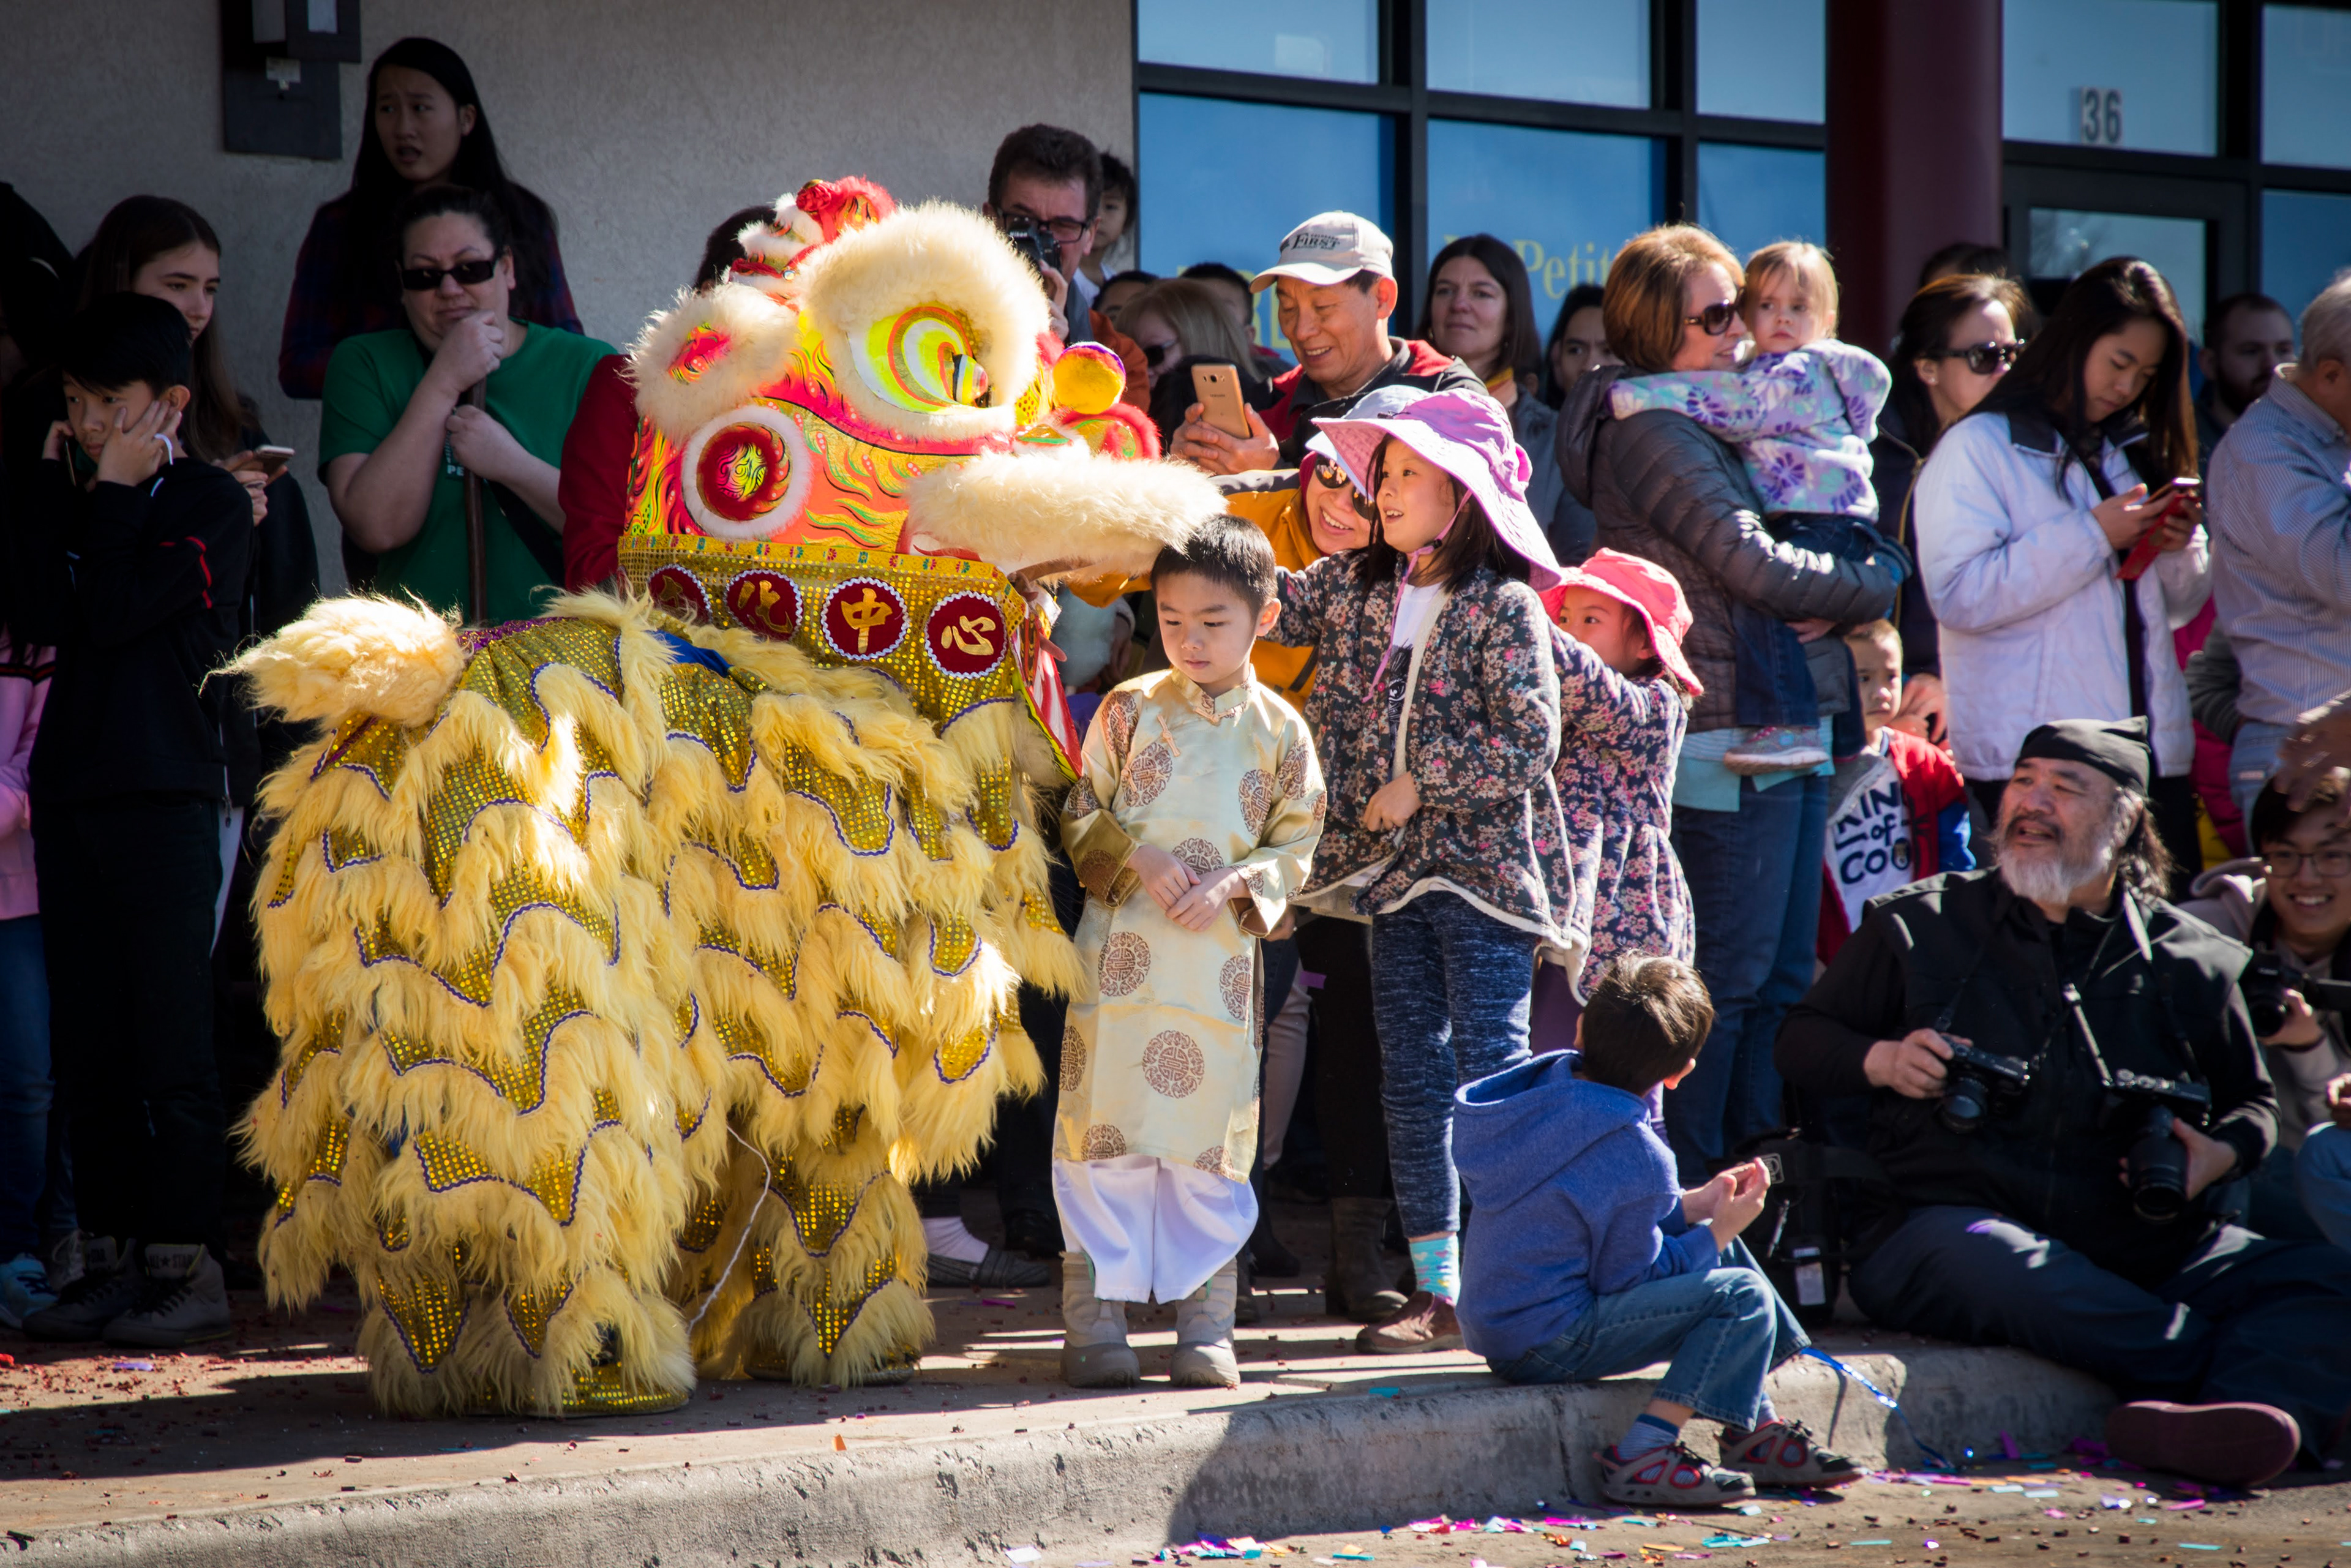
(1650, 590)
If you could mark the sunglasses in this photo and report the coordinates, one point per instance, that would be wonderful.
(1330, 477)
(1153, 353)
(1715, 319)
(1984, 358)
(426, 279)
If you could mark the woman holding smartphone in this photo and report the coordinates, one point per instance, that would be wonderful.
(2060, 548)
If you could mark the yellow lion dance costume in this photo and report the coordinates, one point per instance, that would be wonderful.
(629, 963)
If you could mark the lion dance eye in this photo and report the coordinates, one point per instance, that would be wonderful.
(922, 360)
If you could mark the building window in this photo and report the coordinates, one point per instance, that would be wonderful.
(1568, 51)
(2305, 241)
(2066, 244)
(1750, 196)
(2306, 87)
(1763, 60)
(1339, 41)
(1564, 200)
(2138, 74)
(1236, 209)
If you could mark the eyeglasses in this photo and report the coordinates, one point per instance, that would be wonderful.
(2328, 863)
(426, 279)
(1715, 319)
(1984, 358)
(1062, 229)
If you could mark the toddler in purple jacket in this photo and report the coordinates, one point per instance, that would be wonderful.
(1588, 1260)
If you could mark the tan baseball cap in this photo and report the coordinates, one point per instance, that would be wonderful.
(1330, 247)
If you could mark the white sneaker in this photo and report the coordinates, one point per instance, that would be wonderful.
(182, 1299)
(1776, 750)
(1203, 1334)
(24, 1290)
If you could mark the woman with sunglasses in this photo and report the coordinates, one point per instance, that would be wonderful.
(1959, 335)
(1177, 322)
(2057, 581)
(426, 126)
(1666, 490)
(396, 438)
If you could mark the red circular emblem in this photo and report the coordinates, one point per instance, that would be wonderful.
(680, 593)
(966, 635)
(744, 471)
(864, 618)
(766, 603)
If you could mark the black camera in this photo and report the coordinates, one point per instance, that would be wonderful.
(2265, 983)
(2157, 1165)
(1035, 242)
(1982, 1081)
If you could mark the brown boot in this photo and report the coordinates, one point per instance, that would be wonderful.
(1356, 1285)
(1426, 1323)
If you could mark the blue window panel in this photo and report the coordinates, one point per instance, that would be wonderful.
(1763, 60)
(1750, 196)
(1569, 51)
(2306, 86)
(2161, 55)
(2065, 244)
(1207, 198)
(1333, 40)
(2305, 241)
(1564, 200)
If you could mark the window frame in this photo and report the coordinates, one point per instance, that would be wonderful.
(1403, 94)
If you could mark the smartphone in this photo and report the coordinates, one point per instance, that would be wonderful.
(273, 459)
(1217, 389)
(2150, 543)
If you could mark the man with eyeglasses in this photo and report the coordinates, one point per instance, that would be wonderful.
(2291, 903)
(2279, 507)
(1048, 181)
(1334, 281)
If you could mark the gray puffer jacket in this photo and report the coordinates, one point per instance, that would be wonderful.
(1665, 490)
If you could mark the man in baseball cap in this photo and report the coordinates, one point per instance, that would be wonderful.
(1336, 287)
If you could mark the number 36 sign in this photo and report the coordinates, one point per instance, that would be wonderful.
(2098, 116)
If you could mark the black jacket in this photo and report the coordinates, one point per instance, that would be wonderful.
(2158, 990)
(140, 589)
(1894, 471)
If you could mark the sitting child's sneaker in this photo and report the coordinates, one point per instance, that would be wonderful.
(2238, 1445)
(1782, 1454)
(1776, 750)
(1671, 1475)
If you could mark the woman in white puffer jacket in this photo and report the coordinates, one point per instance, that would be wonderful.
(2021, 541)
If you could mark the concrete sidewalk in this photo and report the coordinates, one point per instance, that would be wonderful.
(263, 1449)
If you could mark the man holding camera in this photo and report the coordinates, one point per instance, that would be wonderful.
(1044, 191)
(2291, 903)
(2059, 1070)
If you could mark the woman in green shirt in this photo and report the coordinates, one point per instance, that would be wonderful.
(397, 438)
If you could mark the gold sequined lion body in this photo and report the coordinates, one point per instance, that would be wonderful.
(631, 962)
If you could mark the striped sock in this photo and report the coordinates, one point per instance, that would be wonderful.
(1436, 1266)
(1646, 1434)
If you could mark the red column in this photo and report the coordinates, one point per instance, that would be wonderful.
(1914, 154)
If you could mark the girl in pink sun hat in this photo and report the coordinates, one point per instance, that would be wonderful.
(1624, 691)
(1436, 708)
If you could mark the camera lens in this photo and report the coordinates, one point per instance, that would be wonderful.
(2159, 1168)
(1963, 1106)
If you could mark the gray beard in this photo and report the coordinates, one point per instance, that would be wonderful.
(2042, 878)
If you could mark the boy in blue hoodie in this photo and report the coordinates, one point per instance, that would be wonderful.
(1587, 1260)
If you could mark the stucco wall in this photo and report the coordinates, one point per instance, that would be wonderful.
(642, 121)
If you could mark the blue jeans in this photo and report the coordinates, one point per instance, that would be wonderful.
(1449, 991)
(27, 1098)
(2322, 1174)
(2253, 757)
(1724, 1330)
(1754, 880)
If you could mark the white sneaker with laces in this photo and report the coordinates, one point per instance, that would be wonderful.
(24, 1290)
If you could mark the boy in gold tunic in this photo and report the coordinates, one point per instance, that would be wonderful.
(1192, 821)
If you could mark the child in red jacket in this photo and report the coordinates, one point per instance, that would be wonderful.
(1897, 810)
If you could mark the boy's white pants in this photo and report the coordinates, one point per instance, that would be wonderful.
(1152, 1228)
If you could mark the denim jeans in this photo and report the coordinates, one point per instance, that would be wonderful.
(1721, 1331)
(2322, 1174)
(1754, 880)
(1773, 681)
(26, 1094)
(2253, 757)
(1449, 986)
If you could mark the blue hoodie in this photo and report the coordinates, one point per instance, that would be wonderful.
(1575, 1197)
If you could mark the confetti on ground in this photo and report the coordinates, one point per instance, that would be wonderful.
(1022, 1555)
(1738, 1540)
(1385, 1393)
(1869, 1543)
(134, 1366)
(2194, 1546)
(2114, 1501)
(2042, 1491)
(2191, 1503)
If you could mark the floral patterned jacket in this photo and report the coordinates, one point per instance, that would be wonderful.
(1481, 738)
(1619, 739)
(1803, 421)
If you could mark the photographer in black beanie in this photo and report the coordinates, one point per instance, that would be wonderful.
(2109, 1014)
